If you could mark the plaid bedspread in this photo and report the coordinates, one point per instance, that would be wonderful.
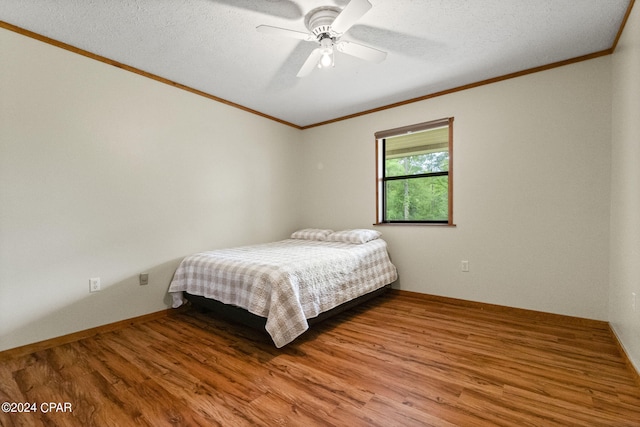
(288, 281)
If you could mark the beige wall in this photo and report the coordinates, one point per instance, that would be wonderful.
(107, 174)
(625, 190)
(531, 191)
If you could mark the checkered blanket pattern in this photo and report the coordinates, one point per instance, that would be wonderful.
(288, 281)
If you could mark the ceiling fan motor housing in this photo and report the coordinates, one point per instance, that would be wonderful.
(319, 21)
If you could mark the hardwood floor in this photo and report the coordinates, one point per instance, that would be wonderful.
(400, 360)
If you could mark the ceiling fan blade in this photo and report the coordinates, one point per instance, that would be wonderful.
(350, 15)
(361, 51)
(284, 32)
(310, 63)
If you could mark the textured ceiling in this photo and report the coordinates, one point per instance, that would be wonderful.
(433, 45)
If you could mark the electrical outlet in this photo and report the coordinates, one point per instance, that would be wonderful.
(94, 284)
(464, 265)
(144, 279)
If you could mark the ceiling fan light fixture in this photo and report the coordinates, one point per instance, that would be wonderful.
(327, 58)
(326, 26)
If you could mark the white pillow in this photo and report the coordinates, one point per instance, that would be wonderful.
(311, 234)
(358, 235)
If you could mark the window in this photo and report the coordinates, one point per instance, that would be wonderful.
(414, 173)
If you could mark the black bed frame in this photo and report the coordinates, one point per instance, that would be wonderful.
(240, 315)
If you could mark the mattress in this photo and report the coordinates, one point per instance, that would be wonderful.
(287, 282)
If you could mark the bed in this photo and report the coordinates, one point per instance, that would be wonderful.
(289, 283)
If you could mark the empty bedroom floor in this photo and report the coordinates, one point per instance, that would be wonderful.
(402, 359)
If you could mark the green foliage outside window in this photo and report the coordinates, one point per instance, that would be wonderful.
(420, 198)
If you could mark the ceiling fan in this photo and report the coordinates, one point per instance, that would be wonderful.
(326, 25)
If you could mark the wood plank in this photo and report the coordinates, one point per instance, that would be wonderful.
(399, 360)
(76, 336)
